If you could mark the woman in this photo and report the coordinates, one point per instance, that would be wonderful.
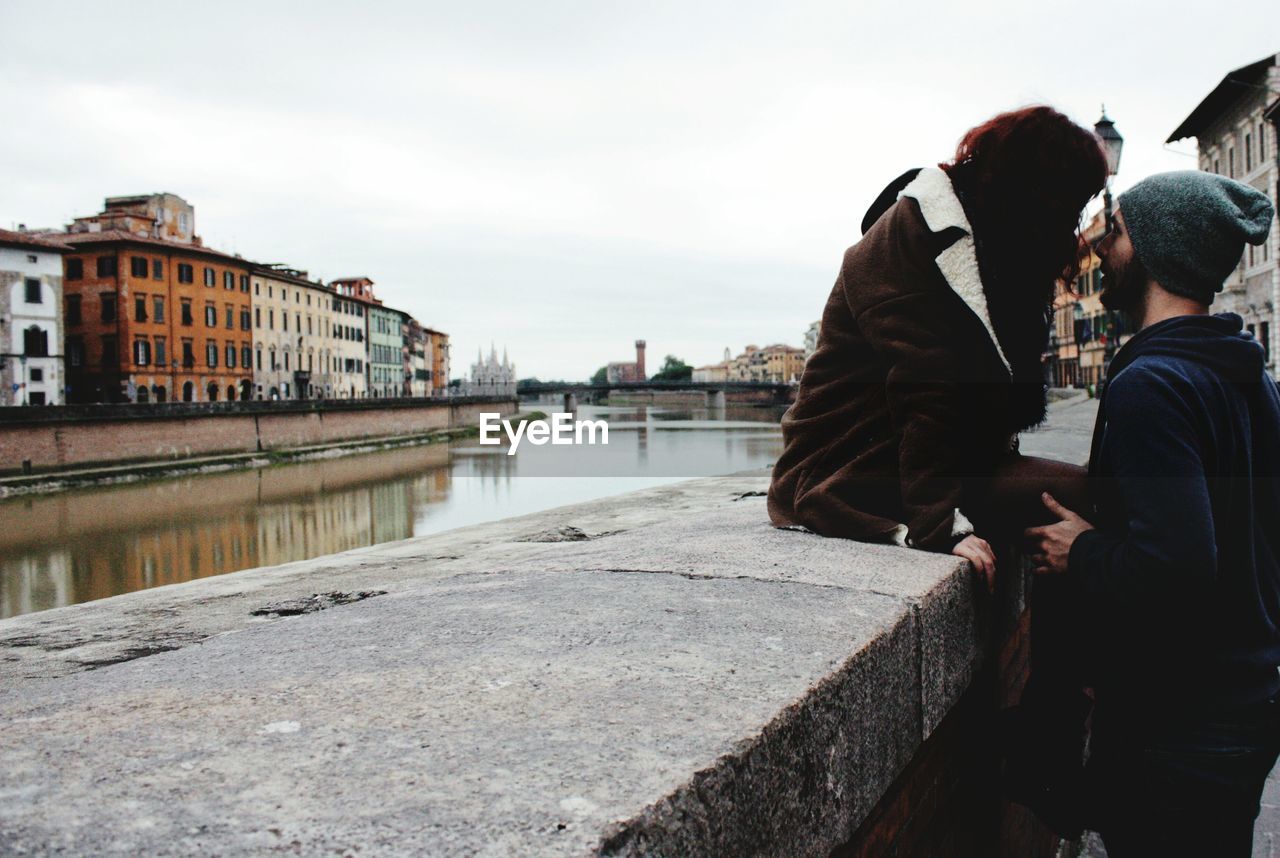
(929, 357)
(928, 366)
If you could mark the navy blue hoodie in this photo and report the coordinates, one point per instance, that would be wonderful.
(1180, 583)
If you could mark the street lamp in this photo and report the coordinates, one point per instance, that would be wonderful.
(1112, 145)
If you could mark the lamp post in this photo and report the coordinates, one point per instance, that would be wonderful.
(1112, 145)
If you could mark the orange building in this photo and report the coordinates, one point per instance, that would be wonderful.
(151, 313)
(439, 349)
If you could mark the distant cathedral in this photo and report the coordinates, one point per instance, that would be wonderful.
(490, 376)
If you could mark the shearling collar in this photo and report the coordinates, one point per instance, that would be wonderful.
(941, 208)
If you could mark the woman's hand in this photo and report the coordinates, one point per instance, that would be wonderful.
(979, 553)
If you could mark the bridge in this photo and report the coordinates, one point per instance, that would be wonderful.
(717, 393)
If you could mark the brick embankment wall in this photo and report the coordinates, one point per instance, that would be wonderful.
(53, 439)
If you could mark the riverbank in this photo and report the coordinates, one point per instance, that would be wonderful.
(276, 449)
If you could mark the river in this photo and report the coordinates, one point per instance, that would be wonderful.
(75, 546)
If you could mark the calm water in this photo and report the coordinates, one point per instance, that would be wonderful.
(75, 546)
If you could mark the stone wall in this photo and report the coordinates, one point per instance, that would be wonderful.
(72, 436)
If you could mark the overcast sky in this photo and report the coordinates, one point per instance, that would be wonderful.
(563, 178)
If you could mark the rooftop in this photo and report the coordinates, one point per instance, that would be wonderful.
(1236, 84)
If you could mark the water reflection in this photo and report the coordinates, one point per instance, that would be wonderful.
(88, 544)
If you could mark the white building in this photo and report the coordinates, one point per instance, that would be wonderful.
(31, 332)
(294, 342)
(1235, 129)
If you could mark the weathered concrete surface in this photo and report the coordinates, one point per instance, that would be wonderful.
(505, 697)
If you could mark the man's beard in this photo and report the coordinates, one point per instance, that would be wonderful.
(1126, 291)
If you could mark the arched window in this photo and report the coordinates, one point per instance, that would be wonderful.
(213, 391)
(188, 391)
(144, 395)
(231, 393)
(161, 394)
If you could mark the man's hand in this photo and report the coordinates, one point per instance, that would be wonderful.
(979, 553)
(1051, 544)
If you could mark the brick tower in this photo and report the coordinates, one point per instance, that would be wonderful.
(640, 361)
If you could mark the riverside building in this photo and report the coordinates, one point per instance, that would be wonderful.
(31, 320)
(151, 313)
(350, 352)
(293, 340)
(1235, 127)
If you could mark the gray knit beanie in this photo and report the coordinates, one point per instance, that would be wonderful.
(1188, 228)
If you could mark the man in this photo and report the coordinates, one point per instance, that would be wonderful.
(1178, 587)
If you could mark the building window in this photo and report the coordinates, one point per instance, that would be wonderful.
(259, 363)
(211, 354)
(161, 357)
(106, 266)
(1231, 163)
(209, 279)
(271, 318)
(110, 356)
(231, 356)
(157, 269)
(1265, 336)
(284, 320)
(246, 356)
(75, 269)
(140, 308)
(33, 291)
(230, 316)
(210, 316)
(37, 374)
(245, 321)
(1248, 152)
(108, 306)
(73, 310)
(244, 283)
(187, 318)
(257, 317)
(257, 288)
(75, 351)
(228, 280)
(1217, 167)
(157, 309)
(286, 361)
(35, 342)
(141, 352)
(137, 266)
(186, 274)
(188, 355)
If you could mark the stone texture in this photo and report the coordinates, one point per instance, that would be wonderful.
(510, 713)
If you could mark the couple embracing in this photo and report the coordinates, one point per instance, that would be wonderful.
(1156, 603)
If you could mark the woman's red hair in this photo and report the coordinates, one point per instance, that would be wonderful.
(1028, 175)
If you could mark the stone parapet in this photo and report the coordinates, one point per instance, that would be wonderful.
(657, 673)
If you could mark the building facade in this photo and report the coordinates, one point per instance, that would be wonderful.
(386, 351)
(1235, 127)
(31, 322)
(350, 352)
(151, 314)
(293, 340)
(438, 348)
(491, 377)
(417, 358)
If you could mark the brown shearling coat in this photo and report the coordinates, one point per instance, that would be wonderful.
(906, 399)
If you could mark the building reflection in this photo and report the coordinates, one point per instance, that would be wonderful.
(76, 546)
